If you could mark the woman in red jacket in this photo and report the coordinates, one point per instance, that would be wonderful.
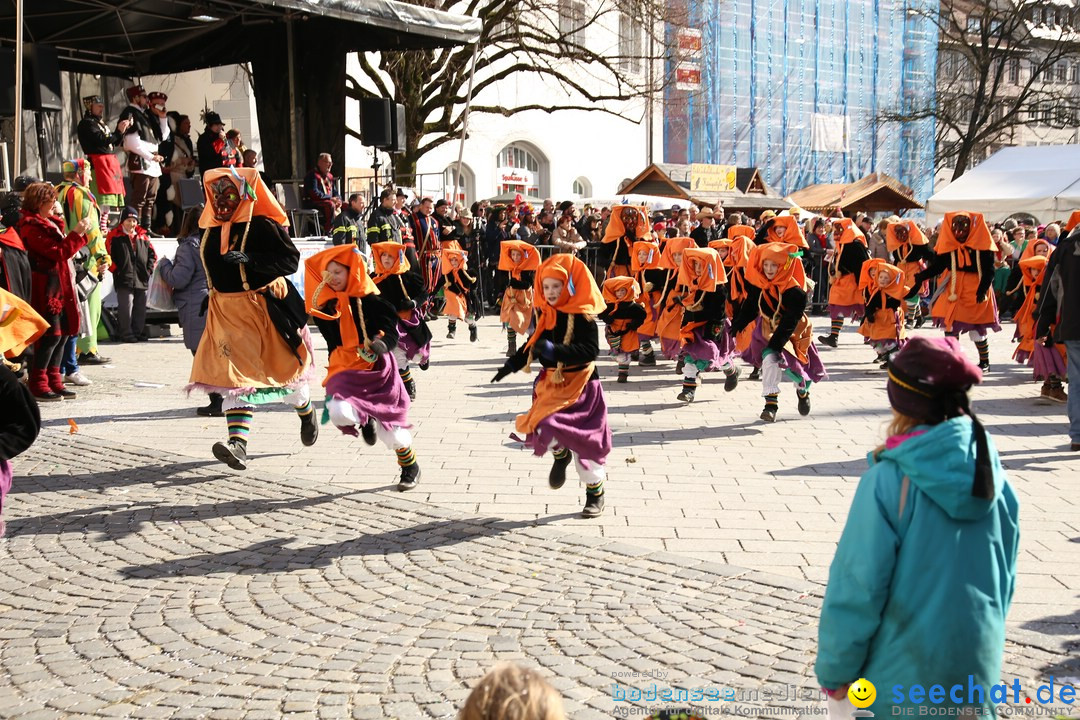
(52, 290)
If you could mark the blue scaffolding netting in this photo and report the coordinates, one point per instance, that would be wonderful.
(773, 70)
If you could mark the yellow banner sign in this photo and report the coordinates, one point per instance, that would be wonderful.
(712, 178)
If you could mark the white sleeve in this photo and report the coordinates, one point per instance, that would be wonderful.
(166, 131)
(134, 144)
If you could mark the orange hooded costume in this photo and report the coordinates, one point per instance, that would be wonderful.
(669, 325)
(907, 243)
(790, 274)
(454, 263)
(845, 299)
(887, 322)
(786, 229)
(645, 264)
(619, 317)
(1032, 266)
(626, 225)
(517, 303)
(970, 263)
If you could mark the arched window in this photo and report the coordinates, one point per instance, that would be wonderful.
(522, 168)
(466, 185)
(582, 188)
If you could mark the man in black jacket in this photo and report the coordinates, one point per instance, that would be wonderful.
(148, 129)
(1061, 305)
(707, 231)
(99, 145)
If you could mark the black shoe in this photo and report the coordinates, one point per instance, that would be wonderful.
(474, 334)
(410, 476)
(129, 339)
(635, 356)
(594, 505)
(732, 381)
(984, 365)
(450, 335)
(679, 365)
(424, 365)
(829, 340)
(687, 395)
(410, 387)
(623, 377)
(557, 476)
(213, 409)
(804, 403)
(93, 359)
(48, 397)
(232, 453)
(919, 322)
(309, 428)
(769, 414)
(647, 360)
(1074, 447)
(367, 431)
(66, 394)
(511, 351)
(755, 374)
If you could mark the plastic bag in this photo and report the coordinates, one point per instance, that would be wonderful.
(159, 295)
(839, 708)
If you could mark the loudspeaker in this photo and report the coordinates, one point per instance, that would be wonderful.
(397, 129)
(7, 81)
(41, 78)
(375, 122)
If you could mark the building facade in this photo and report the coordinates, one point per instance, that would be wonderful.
(797, 88)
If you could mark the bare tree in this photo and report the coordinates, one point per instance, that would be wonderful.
(1002, 64)
(554, 41)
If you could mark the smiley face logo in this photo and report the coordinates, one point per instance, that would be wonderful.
(862, 693)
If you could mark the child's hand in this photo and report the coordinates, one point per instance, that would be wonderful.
(503, 372)
(279, 288)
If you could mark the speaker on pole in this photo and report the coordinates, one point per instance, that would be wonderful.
(375, 122)
(41, 78)
(397, 129)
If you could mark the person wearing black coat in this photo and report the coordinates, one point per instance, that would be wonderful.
(1060, 304)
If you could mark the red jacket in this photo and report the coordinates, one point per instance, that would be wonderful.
(52, 292)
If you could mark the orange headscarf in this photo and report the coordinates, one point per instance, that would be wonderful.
(652, 261)
(256, 200)
(711, 271)
(1031, 268)
(616, 229)
(1029, 251)
(869, 282)
(614, 284)
(1073, 221)
(915, 235)
(530, 258)
(978, 239)
(20, 324)
(580, 296)
(393, 249)
(738, 250)
(450, 253)
(789, 259)
(793, 234)
(850, 232)
(735, 231)
(672, 246)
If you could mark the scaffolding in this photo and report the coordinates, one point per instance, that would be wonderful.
(773, 71)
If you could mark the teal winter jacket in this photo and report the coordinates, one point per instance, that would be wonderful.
(919, 597)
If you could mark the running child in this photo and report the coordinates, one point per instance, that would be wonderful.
(845, 259)
(884, 289)
(458, 291)
(403, 287)
(519, 260)
(622, 318)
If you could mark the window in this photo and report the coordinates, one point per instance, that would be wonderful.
(1037, 16)
(974, 24)
(516, 157)
(465, 184)
(582, 188)
(571, 20)
(521, 169)
(630, 44)
(1014, 71)
(1076, 74)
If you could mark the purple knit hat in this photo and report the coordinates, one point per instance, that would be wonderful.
(929, 380)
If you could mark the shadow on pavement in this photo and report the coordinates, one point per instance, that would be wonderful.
(29, 484)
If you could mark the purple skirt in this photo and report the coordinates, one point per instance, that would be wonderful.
(962, 327)
(1023, 357)
(407, 343)
(726, 343)
(378, 393)
(1046, 362)
(581, 428)
(672, 349)
(5, 486)
(846, 311)
(702, 349)
(814, 371)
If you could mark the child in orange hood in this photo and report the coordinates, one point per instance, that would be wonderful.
(622, 317)
(845, 267)
(883, 287)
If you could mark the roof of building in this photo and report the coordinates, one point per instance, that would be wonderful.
(119, 37)
(673, 180)
(877, 192)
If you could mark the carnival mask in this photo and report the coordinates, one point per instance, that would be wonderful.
(629, 218)
(901, 231)
(226, 199)
(961, 228)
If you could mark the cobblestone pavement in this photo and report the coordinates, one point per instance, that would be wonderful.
(164, 585)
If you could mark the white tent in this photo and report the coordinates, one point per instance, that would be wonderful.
(1043, 181)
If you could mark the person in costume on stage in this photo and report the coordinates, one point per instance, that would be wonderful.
(910, 251)
(964, 302)
(321, 191)
(52, 286)
(884, 288)
(645, 266)
(622, 318)
(845, 259)
(402, 286)
(256, 348)
(568, 414)
(669, 325)
(701, 290)
(1046, 357)
(79, 202)
(783, 340)
(100, 145)
(20, 423)
(627, 225)
(458, 291)
(519, 260)
(363, 387)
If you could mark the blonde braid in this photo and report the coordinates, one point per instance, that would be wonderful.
(558, 377)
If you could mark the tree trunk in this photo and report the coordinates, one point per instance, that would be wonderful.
(963, 159)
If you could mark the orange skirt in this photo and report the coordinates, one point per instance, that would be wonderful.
(241, 348)
(845, 292)
(517, 308)
(964, 313)
(550, 397)
(456, 306)
(651, 301)
(911, 269)
(887, 325)
(669, 326)
(627, 343)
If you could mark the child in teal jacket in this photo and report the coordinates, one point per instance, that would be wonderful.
(926, 566)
